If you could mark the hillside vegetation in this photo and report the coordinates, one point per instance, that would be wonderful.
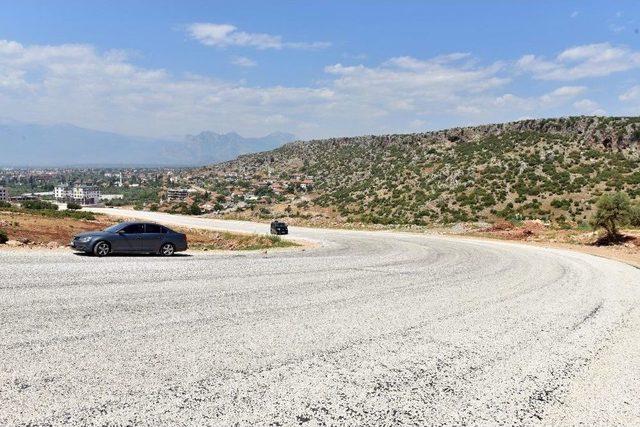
(549, 169)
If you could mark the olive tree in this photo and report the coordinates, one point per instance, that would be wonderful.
(612, 212)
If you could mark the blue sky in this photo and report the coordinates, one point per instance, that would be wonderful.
(316, 69)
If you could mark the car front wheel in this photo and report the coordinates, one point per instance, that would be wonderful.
(102, 249)
(167, 249)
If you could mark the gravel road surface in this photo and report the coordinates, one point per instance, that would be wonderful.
(367, 328)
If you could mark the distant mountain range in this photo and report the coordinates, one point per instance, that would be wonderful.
(34, 145)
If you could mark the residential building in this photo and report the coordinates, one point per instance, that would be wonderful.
(4, 194)
(177, 194)
(111, 197)
(61, 192)
(83, 194)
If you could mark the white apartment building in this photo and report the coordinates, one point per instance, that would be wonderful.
(83, 194)
(61, 192)
(4, 194)
(177, 194)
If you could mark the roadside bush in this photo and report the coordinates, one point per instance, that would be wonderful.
(194, 209)
(74, 206)
(3, 237)
(612, 212)
(63, 214)
(4, 204)
(39, 205)
(634, 216)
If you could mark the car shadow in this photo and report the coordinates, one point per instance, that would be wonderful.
(181, 255)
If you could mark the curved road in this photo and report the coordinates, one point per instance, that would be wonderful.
(367, 328)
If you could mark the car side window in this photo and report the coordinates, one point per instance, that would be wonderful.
(134, 229)
(153, 228)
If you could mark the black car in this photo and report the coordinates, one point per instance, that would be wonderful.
(279, 227)
(131, 237)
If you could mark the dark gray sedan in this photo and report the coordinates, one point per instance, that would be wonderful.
(131, 237)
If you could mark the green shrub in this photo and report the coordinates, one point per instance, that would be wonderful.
(65, 214)
(39, 205)
(77, 215)
(634, 216)
(3, 237)
(194, 209)
(74, 206)
(4, 204)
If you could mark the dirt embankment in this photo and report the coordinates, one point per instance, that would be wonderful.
(31, 230)
(587, 241)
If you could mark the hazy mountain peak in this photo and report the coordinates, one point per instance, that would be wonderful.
(28, 144)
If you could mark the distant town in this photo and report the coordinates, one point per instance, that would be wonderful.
(178, 190)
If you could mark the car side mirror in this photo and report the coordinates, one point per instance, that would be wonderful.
(121, 232)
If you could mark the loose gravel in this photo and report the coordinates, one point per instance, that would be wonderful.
(366, 329)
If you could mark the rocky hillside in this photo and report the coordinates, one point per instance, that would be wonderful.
(552, 169)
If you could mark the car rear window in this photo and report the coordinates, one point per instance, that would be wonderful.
(154, 228)
(134, 229)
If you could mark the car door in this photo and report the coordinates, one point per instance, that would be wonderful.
(131, 238)
(153, 234)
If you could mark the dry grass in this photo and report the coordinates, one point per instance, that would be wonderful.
(35, 229)
(219, 240)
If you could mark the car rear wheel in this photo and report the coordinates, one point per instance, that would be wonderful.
(102, 249)
(167, 249)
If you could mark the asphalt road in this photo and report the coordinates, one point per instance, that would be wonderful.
(368, 328)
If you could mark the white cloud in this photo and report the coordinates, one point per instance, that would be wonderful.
(79, 85)
(505, 105)
(437, 77)
(617, 28)
(403, 89)
(224, 35)
(417, 124)
(633, 94)
(107, 90)
(587, 106)
(564, 92)
(243, 61)
(594, 60)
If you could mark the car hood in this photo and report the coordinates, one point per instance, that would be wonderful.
(92, 234)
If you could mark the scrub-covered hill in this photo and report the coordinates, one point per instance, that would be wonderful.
(550, 169)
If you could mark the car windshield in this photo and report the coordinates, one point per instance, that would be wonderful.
(113, 228)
